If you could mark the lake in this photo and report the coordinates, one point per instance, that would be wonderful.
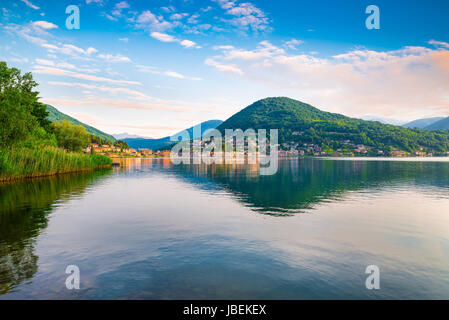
(153, 230)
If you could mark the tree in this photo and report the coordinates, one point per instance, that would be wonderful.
(40, 112)
(71, 137)
(17, 101)
(121, 144)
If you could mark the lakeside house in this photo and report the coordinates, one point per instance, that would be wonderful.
(398, 153)
(146, 152)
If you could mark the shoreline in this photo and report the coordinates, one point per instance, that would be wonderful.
(13, 179)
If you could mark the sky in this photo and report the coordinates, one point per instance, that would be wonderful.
(154, 67)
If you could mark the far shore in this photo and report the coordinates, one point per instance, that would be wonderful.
(380, 158)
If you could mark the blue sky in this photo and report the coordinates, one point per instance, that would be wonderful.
(155, 67)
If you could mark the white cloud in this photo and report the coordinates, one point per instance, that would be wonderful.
(163, 37)
(114, 58)
(45, 62)
(109, 17)
(169, 38)
(77, 75)
(149, 21)
(245, 9)
(28, 32)
(51, 63)
(178, 16)
(168, 9)
(19, 60)
(177, 75)
(412, 80)
(29, 4)
(189, 44)
(100, 2)
(68, 49)
(122, 5)
(44, 24)
(246, 15)
(111, 90)
(65, 65)
(168, 73)
(225, 4)
(232, 68)
(439, 43)
(264, 50)
(117, 11)
(156, 104)
(293, 44)
(227, 47)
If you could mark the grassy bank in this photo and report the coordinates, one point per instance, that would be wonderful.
(22, 163)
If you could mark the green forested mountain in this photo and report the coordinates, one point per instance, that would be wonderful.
(442, 124)
(301, 123)
(56, 115)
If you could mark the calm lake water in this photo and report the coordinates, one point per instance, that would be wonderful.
(152, 230)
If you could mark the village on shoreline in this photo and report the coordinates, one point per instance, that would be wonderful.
(285, 150)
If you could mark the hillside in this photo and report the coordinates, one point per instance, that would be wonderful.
(155, 144)
(442, 124)
(422, 123)
(300, 123)
(56, 115)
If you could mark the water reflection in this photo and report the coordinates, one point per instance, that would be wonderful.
(153, 230)
(300, 184)
(24, 213)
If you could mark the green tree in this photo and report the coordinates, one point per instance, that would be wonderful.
(17, 101)
(40, 112)
(71, 137)
(121, 144)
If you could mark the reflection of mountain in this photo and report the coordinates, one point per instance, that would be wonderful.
(301, 183)
(19, 226)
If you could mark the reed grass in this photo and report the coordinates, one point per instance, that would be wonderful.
(20, 163)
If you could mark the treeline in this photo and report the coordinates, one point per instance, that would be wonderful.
(30, 145)
(303, 123)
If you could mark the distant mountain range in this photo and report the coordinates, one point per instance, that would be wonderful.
(435, 123)
(422, 123)
(385, 120)
(302, 123)
(126, 135)
(442, 124)
(154, 144)
(56, 115)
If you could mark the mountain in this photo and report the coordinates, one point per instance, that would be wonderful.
(442, 124)
(302, 123)
(126, 135)
(422, 123)
(56, 115)
(392, 121)
(154, 144)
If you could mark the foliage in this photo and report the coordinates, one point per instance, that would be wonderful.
(55, 115)
(28, 141)
(71, 137)
(121, 144)
(312, 125)
(17, 101)
(20, 162)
